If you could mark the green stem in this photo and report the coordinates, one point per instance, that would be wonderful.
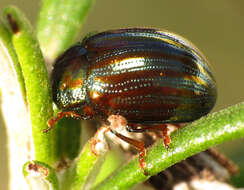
(14, 112)
(204, 133)
(86, 168)
(36, 82)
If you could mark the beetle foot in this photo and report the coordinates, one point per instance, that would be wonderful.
(166, 137)
(142, 161)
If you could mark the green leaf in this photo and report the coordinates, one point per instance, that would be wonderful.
(14, 113)
(36, 83)
(204, 133)
(112, 162)
(59, 24)
(69, 136)
(40, 176)
(84, 173)
(8, 57)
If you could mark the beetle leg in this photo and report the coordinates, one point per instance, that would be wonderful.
(98, 144)
(139, 145)
(166, 136)
(138, 128)
(59, 116)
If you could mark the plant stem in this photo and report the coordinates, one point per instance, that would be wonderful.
(36, 84)
(204, 133)
(13, 109)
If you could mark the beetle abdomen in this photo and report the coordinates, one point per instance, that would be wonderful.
(148, 75)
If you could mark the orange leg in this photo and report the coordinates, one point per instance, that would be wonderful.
(98, 141)
(166, 136)
(138, 128)
(139, 145)
(59, 116)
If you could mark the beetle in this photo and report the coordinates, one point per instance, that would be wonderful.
(147, 76)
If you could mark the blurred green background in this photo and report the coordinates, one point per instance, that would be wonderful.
(215, 27)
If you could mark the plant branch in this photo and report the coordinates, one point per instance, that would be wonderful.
(36, 83)
(13, 108)
(84, 172)
(204, 133)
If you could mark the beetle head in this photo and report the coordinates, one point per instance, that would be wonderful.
(69, 79)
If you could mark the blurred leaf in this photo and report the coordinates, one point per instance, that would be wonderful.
(59, 24)
(69, 137)
(112, 162)
(87, 167)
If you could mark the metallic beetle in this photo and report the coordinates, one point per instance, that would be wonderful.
(146, 75)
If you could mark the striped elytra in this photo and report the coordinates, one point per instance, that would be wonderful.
(145, 75)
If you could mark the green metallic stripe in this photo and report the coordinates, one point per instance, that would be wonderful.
(154, 82)
(133, 64)
(159, 100)
(133, 34)
(114, 65)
